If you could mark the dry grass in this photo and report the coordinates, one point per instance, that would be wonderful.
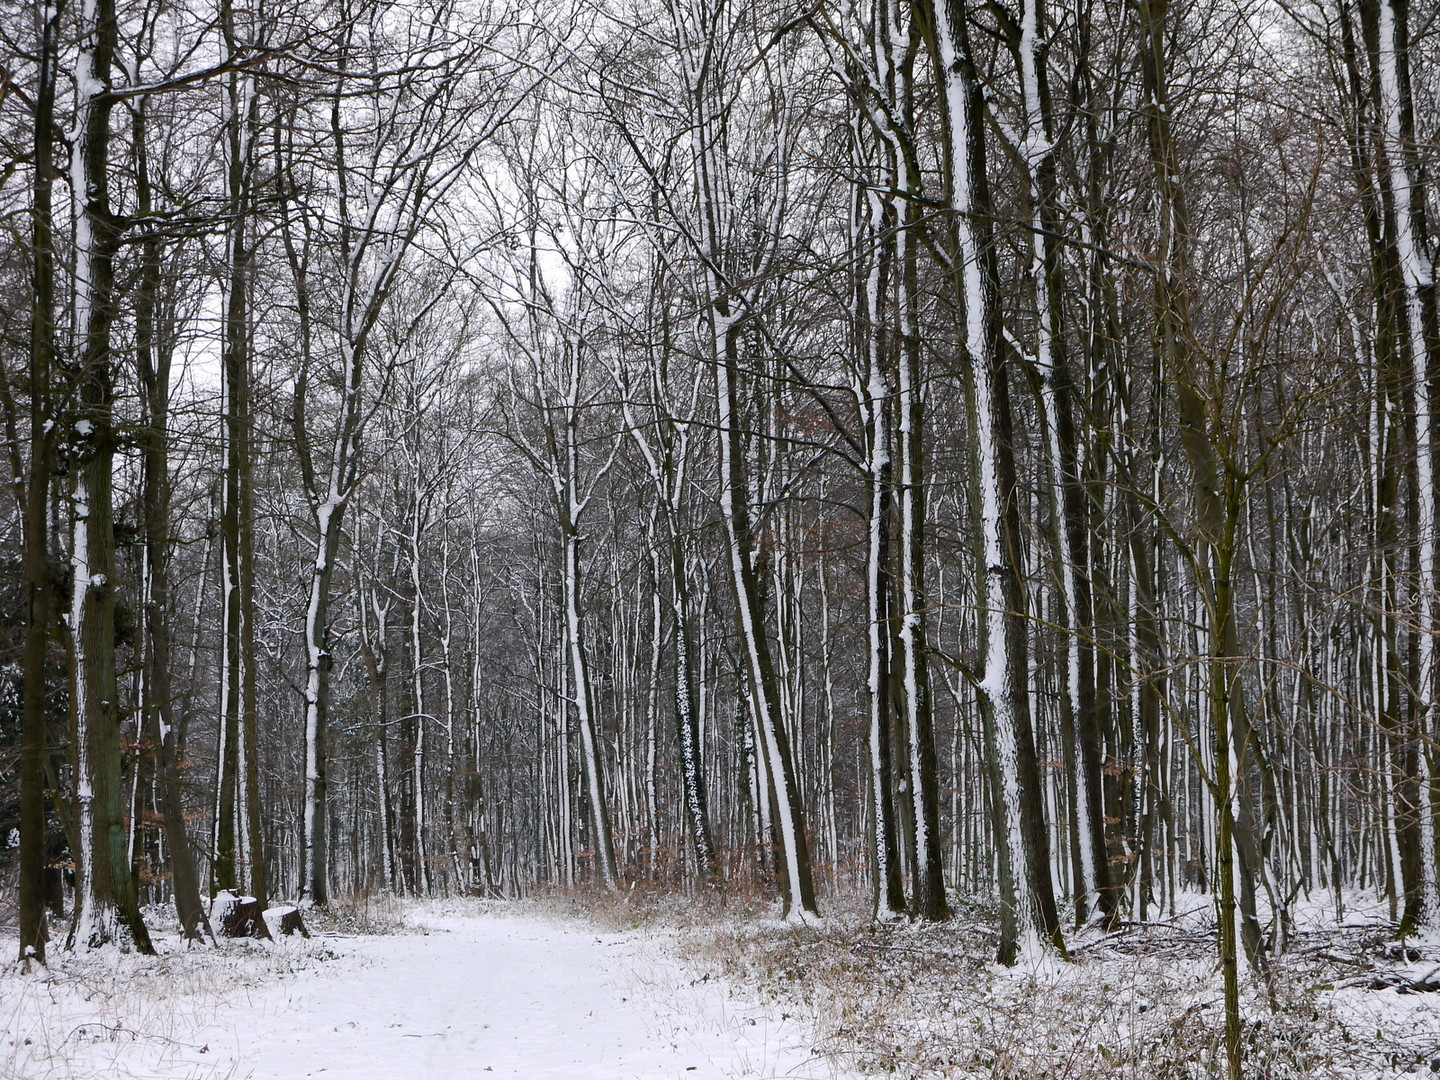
(1141, 1004)
(110, 1014)
(366, 914)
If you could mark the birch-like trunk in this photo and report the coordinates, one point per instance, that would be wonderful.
(1036, 151)
(314, 852)
(797, 887)
(417, 693)
(1027, 898)
(570, 506)
(1403, 196)
(374, 622)
(874, 219)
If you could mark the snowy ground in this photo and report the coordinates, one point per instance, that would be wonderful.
(463, 991)
(674, 989)
(1345, 1002)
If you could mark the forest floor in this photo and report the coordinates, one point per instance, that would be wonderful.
(434, 991)
(663, 987)
(1345, 1000)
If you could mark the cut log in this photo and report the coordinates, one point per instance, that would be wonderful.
(239, 916)
(284, 920)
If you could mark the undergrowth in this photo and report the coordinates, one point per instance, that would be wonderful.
(1141, 1004)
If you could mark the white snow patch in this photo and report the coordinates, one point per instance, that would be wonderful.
(472, 991)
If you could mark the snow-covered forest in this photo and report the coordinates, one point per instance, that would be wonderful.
(972, 455)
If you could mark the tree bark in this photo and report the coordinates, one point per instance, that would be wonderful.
(35, 723)
(1027, 894)
(107, 893)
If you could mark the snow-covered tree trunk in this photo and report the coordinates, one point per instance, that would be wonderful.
(419, 716)
(582, 692)
(314, 850)
(694, 787)
(106, 899)
(1027, 899)
(773, 748)
(721, 340)
(1036, 151)
(374, 624)
(928, 899)
(665, 447)
(885, 97)
(1404, 198)
(154, 335)
(872, 228)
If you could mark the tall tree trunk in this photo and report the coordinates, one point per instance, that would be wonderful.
(314, 846)
(35, 723)
(245, 840)
(419, 716)
(872, 228)
(928, 900)
(1036, 150)
(1027, 894)
(107, 892)
(726, 317)
(153, 350)
(797, 889)
(1217, 497)
(1406, 296)
(377, 666)
(569, 506)
(692, 759)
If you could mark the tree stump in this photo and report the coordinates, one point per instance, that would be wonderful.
(285, 920)
(238, 916)
(220, 906)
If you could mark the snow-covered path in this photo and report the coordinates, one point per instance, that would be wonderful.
(521, 997)
(503, 994)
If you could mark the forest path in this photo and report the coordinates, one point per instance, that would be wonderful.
(508, 994)
(468, 990)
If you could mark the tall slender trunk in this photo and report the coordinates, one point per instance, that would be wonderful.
(872, 228)
(35, 723)
(153, 351)
(1064, 451)
(687, 719)
(570, 506)
(1406, 294)
(1027, 894)
(667, 458)
(242, 836)
(107, 891)
(928, 899)
(1216, 491)
(773, 753)
(377, 667)
(894, 45)
(314, 848)
(417, 693)
(797, 889)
